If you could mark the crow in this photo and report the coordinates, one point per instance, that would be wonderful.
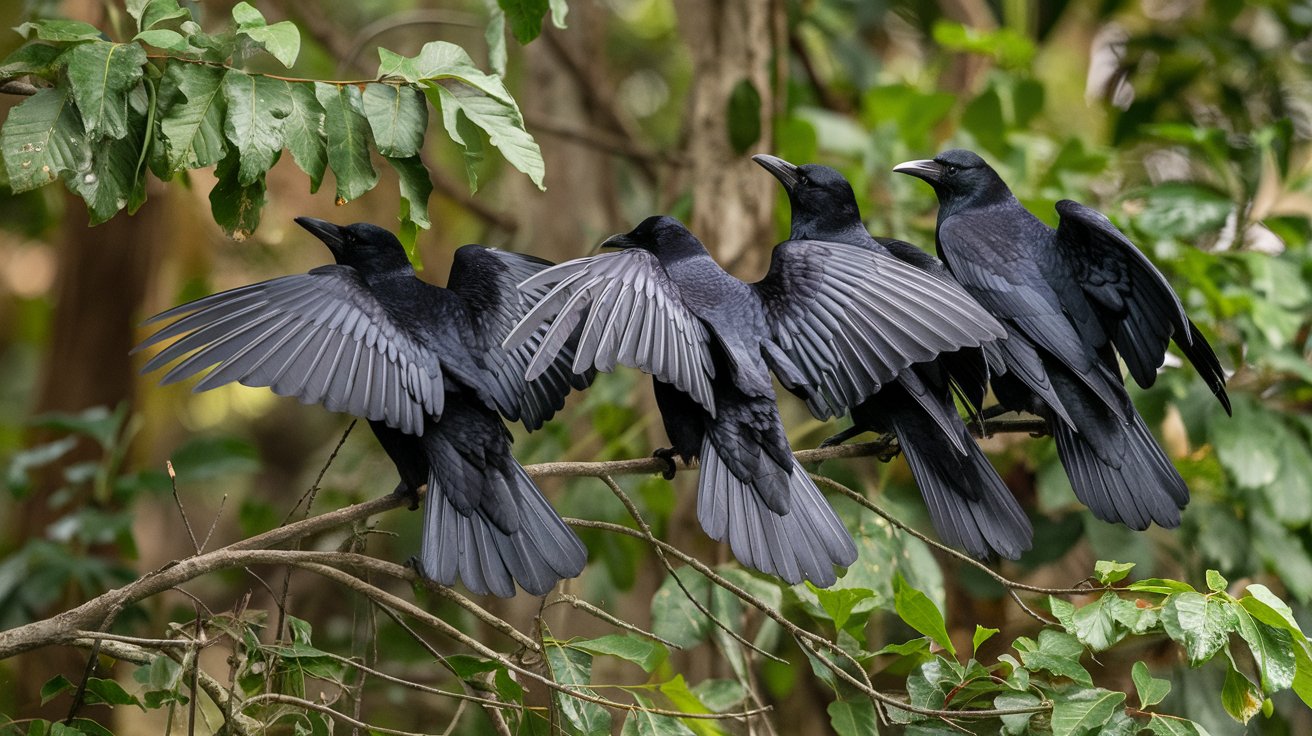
(828, 319)
(425, 366)
(969, 504)
(1072, 299)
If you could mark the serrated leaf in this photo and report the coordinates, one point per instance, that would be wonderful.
(853, 717)
(1201, 624)
(982, 634)
(43, 138)
(643, 652)
(1151, 690)
(102, 74)
(525, 17)
(59, 30)
(348, 142)
(919, 612)
(236, 207)
(303, 132)
(1273, 651)
(191, 115)
(257, 106)
(1083, 711)
(163, 38)
(398, 117)
(574, 667)
(1108, 571)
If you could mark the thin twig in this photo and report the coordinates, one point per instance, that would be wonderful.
(177, 501)
(586, 607)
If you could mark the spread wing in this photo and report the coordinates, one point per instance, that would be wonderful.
(1133, 300)
(851, 319)
(487, 280)
(319, 336)
(634, 314)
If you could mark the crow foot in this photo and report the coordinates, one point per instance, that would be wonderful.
(408, 493)
(891, 448)
(841, 437)
(666, 454)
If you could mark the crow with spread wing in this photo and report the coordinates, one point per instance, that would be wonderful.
(830, 320)
(425, 366)
(1072, 299)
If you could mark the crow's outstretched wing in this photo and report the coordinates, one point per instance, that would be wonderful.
(1132, 299)
(319, 336)
(487, 280)
(635, 316)
(851, 319)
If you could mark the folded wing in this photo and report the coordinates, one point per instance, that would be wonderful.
(630, 313)
(319, 336)
(851, 319)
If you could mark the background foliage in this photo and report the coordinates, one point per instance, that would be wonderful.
(1187, 122)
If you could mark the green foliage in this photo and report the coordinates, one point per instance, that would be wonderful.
(110, 108)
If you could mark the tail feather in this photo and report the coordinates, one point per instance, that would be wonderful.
(469, 545)
(803, 544)
(1138, 487)
(971, 507)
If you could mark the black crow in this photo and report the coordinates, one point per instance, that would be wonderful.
(1071, 298)
(969, 504)
(425, 366)
(829, 319)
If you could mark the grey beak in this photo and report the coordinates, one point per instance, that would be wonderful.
(330, 234)
(785, 172)
(927, 169)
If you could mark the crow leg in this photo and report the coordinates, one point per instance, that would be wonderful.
(409, 493)
(666, 454)
(843, 436)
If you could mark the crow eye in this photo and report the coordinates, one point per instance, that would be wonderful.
(951, 170)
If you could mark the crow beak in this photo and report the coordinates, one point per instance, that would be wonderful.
(927, 169)
(785, 172)
(622, 240)
(330, 234)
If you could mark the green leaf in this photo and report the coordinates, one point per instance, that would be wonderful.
(1083, 711)
(643, 652)
(257, 107)
(719, 695)
(1017, 723)
(525, 17)
(102, 74)
(1108, 572)
(40, 59)
(247, 16)
(1160, 586)
(236, 207)
(112, 181)
(1201, 624)
(982, 634)
(1057, 652)
(416, 185)
(191, 115)
(348, 142)
(920, 613)
(574, 667)
(841, 603)
(163, 38)
(1303, 675)
(398, 117)
(1183, 210)
(1151, 690)
(43, 138)
(645, 723)
(1268, 608)
(1239, 696)
(495, 36)
(853, 717)
(1095, 624)
(1161, 725)
(455, 85)
(674, 617)
(1273, 651)
(1216, 582)
(744, 116)
(59, 30)
(559, 9)
(101, 690)
(1243, 447)
(151, 13)
(54, 686)
(282, 40)
(302, 131)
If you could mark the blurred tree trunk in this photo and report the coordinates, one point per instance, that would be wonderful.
(732, 44)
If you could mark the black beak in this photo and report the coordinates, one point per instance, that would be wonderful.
(927, 169)
(621, 240)
(785, 172)
(330, 234)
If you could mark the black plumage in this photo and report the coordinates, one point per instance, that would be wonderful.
(1072, 299)
(425, 366)
(663, 305)
(969, 504)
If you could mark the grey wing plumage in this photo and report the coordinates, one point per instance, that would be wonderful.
(488, 280)
(851, 319)
(1133, 299)
(620, 308)
(319, 336)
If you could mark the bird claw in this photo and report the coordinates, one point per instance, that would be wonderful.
(841, 437)
(408, 493)
(893, 448)
(666, 454)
